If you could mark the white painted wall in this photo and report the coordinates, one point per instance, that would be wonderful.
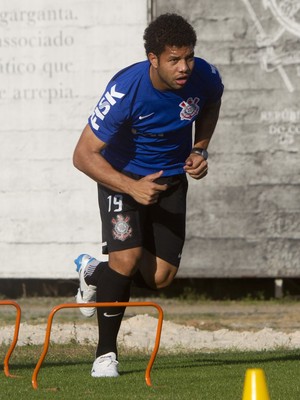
(243, 219)
(55, 60)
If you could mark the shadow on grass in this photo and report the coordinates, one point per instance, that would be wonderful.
(132, 364)
(219, 359)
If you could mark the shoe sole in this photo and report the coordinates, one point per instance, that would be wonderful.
(86, 311)
(104, 376)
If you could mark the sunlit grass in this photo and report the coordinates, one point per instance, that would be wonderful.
(65, 374)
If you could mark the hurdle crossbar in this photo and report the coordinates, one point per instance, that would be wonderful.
(109, 304)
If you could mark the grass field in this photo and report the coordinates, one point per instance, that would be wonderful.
(65, 374)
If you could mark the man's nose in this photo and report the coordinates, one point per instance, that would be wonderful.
(183, 66)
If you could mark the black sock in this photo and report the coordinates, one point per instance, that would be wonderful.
(92, 279)
(111, 287)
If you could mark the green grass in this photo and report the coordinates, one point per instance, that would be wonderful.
(65, 374)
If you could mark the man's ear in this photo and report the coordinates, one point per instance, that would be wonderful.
(153, 60)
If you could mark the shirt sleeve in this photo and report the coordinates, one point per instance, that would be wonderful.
(216, 87)
(110, 112)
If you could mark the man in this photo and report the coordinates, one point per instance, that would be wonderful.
(138, 147)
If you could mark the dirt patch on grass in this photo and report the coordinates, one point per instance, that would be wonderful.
(201, 325)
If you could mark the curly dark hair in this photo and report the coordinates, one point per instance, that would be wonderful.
(168, 30)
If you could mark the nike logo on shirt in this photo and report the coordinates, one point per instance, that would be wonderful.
(145, 116)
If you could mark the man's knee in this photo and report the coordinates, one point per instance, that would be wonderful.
(125, 261)
(165, 278)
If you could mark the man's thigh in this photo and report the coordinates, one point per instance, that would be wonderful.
(164, 233)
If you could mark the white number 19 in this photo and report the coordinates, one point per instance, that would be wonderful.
(115, 203)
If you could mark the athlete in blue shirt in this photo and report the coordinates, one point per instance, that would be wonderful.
(147, 124)
(139, 146)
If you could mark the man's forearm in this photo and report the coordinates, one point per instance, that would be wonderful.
(205, 125)
(98, 169)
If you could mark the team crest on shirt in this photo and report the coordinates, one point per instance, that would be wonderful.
(121, 228)
(189, 107)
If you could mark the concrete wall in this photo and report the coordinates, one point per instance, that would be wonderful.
(56, 57)
(243, 219)
(55, 60)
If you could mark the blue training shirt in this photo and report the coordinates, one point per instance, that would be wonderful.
(147, 130)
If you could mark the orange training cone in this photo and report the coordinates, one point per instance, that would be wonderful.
(255, 386)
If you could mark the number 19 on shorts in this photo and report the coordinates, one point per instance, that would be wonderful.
(115, 203)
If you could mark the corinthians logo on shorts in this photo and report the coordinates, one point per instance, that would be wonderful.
(121, 228)
(190, 108)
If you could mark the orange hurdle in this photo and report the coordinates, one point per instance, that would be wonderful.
(16, 334)
(115, 304)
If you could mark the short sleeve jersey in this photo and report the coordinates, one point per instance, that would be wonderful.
(147, 130)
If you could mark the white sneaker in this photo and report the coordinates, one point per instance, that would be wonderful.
(86, 293)
(105, 366)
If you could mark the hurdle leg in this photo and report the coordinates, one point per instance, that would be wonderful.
(16, 334)
(156, 346)
(114, 304)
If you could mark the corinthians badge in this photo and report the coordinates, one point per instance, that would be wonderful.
(121, 228)
(286, 13)
(190, 108)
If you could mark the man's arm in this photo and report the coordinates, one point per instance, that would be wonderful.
(205, 124)
(195, 165)
(87, 158)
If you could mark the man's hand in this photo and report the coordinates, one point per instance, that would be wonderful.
(145, 190)
(196, 166)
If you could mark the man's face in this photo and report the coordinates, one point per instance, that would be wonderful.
(172, 68)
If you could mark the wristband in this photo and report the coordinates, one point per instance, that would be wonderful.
(201, 152)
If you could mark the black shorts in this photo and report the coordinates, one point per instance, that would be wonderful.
(159, 228)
